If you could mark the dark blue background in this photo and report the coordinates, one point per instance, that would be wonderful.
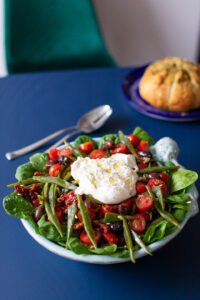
(33, 106)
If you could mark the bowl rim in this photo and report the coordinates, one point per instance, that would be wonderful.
(106, 259)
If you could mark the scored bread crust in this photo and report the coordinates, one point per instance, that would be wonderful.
(172, 84)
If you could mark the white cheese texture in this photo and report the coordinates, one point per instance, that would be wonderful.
(109, 180)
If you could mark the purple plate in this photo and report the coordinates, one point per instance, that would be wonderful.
(130, 89)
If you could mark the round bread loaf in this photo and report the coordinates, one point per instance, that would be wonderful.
(172, 84)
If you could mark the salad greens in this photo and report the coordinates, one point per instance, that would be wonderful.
(85, 225)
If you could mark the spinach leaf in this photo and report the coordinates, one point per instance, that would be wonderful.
(17, 206)
(113, 137)
(179, 214)
(180, 197)
(77, 246)
(49, 231)
(155, 232)
(121, 253)
(38, 161)
(143, 135)
(182, 179)
(24, 171)
(105, 250)
(83, 139)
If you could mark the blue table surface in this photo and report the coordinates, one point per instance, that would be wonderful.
(36, 105)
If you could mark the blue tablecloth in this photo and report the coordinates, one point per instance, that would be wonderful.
(33, 106)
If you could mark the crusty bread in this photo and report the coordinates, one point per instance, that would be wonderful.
(172, 84)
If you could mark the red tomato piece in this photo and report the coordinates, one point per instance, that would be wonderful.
(138, 224)
(108, 208)
(86, 147)
(59, 213)
(36, 202)
(70, 166)
(144, 202)
(70, 198)
(152, 183)
(86, 240)
(143, 145)
(54, 170)
(133, 139)
(140, 188)
(110, 238)
(120, 148)
(91, 213)
(127, 203)
(164, 177)
(145, 215)
(53, 154)
(98, 154)
(65, 152)
(142, 165)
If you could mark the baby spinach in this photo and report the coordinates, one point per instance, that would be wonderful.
(143, 135)
(24, 171)
(77, 246)
(49, 231)
(38, 161)
(113, 137)
(180, 197)
(182, 179)
(104, 250)
(83, 139)
(17, 206)
(121, 253)
(179, 214)
(155, 232)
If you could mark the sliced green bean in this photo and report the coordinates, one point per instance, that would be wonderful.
(86, 221)
(22, 182)
(128, 238)
(56, 180)
(157, 169)
(128, 144)
(113, 217)
(75, 151)
(45, 190)
(166, 215)
(90, 197)
(52, 217)
(71, 157)
(72, 210)
(67, 176)
(158, 192)
(52, 196)
(138, 241)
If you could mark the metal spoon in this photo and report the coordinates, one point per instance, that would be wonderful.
(89, 122)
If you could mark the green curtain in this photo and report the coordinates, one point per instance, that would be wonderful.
(52, 35)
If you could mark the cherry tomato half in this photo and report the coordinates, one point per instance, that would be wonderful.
(86, 240)
(70, 198)
(133, 139)
(91, 213)
(53, 154)
(54, 170)
(65, 151)
(98, 154)
(138, 224)
(110, 238)
(140, 188)
(142, 165)
(36, 202)
(143, 145)
(119, 148)
(152, 183)
(106, 208)
(86, 147)
(59, 213)
(144, 202)
(164, 177)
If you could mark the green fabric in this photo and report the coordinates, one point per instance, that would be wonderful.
(52, 34)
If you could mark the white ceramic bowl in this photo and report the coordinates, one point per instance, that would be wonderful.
(167, 150)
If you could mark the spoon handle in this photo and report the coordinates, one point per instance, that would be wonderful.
(27, 149)
(64, 138)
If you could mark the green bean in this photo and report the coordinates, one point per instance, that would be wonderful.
(52, 196)
(140, 242)
(67, 176)
(90, 197)
(72, 210)
(22, 182)
(128, 144)
(158, 192)
(157, 169)
(52, 217)
(86, 221)
(71, 157)
(113, 217)
(150, 192)
(166, 215)
(107, 151)
(45, 190)
(128, 238)
(75, 151)
(56, 180)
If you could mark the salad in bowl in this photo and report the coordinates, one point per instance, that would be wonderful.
(104, 200)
